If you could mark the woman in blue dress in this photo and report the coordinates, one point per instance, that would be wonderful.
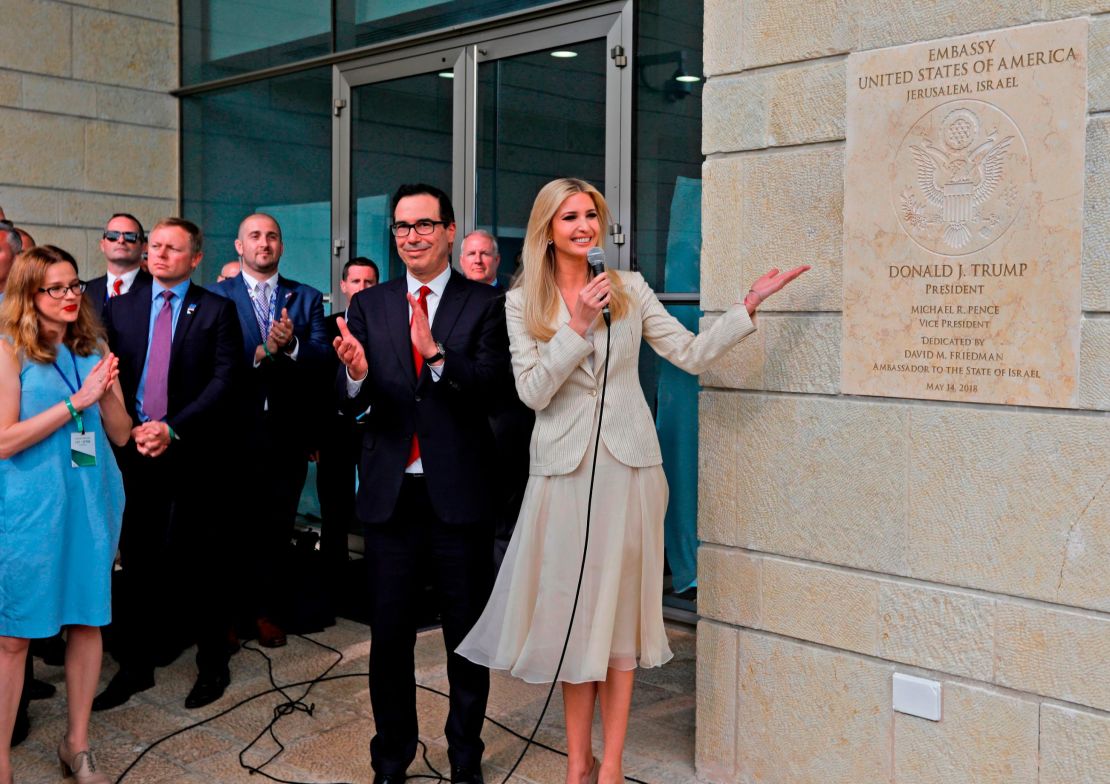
(61, 495)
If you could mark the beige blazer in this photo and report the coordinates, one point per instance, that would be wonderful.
(556, 379)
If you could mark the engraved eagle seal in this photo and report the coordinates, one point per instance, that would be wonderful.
(960, 177)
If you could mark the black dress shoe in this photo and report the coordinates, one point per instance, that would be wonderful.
(467, 776)
(208, 688)
(21, 728)
(120, 689)
(39, 690)
(389, 778)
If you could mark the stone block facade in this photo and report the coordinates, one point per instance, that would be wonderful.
(847, 538)
(88, 127)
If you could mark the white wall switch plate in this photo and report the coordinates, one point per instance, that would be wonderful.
(917, 696)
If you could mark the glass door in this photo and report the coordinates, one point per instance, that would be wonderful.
(541, 115)
(399, 127)
(488, 118)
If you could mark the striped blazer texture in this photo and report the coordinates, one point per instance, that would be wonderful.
(556, 379)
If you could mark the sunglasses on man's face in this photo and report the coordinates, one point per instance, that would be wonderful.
(130, 237)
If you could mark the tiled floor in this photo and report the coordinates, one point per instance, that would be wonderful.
(331, 744)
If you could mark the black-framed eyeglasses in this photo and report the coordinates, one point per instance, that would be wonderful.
(130, 237)
(59, 292)
(422, 227)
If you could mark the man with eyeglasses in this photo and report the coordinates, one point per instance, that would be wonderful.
(424, 354)
(122, 244)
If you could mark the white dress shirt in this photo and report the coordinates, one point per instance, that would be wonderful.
(252, 283)
(128, 279)
(436, 286)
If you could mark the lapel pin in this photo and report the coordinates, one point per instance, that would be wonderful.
(190, 309)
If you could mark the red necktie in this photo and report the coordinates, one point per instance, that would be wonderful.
(116, 287)
(418, 363)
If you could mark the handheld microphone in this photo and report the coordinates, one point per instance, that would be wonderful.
(595, 257)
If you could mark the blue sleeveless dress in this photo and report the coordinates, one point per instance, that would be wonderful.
(59, 525)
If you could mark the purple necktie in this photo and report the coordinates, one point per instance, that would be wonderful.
(156, 394)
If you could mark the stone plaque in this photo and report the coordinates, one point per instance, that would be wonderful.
(963, 215)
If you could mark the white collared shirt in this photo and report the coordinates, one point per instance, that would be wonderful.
(128, 279)
(252, 283)
(437, 285)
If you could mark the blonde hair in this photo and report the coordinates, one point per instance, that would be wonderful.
(19, 318)
(541, 294)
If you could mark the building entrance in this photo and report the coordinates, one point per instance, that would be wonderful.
(490, 118)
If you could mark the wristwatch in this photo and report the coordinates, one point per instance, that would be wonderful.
(441, 352)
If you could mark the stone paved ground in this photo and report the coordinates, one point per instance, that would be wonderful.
(332, 744)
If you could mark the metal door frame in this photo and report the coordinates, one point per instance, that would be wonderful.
(462, 55)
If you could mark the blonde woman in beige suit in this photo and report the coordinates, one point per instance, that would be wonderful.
(558, 347)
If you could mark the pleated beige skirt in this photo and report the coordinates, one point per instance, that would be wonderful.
(619, 619)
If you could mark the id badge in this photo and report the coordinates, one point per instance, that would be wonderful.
(82, 450)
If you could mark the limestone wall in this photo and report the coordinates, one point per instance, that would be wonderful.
(847, 538)
(86, 125)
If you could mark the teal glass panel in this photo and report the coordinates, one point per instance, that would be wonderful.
(668, 130)
(400, 133)
(221, 38)
(262, 147)
(365, 22)
(539, 117)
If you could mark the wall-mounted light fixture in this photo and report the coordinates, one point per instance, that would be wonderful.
(677, 85)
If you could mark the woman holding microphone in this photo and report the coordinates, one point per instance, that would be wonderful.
(559, 345)
(61, 495)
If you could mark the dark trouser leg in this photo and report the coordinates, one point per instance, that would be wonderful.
(200, 568)
(147, 606)
(268, 509)
(335, 484)
(393, 565)
(463, 576)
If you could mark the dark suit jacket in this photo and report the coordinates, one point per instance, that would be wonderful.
(204, 361)
(285, 383)
(451, 416)
(97, 291)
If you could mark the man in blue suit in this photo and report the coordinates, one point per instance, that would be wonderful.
(424, 355)
(178, 349)
(284, 347)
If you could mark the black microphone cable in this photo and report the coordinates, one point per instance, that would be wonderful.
(292, 705)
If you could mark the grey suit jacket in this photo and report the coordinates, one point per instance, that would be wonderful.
(557, 380)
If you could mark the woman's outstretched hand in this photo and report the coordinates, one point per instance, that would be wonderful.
(768, 284)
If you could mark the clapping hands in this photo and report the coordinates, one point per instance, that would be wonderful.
(100, 379)
(350, 351)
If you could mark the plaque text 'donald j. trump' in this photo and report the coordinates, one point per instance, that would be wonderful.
(963, 217)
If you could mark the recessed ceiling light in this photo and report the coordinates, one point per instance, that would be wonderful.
(564, 53)
(687, 78)
(446, 74)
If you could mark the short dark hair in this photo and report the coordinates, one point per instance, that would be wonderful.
(446, 211)
(132, 218)
(361, 261)
(196, 236)
(15, 242)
